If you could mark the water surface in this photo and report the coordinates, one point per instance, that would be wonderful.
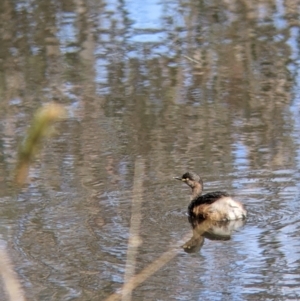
(153, 89)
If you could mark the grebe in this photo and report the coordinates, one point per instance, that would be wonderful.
(216, 206)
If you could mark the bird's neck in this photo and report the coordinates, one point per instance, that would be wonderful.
(196, 191)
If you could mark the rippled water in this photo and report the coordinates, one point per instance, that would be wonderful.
(153, 89)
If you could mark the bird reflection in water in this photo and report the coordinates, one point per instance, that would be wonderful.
(212, 230)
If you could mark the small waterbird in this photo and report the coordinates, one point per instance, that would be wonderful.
(216, 206)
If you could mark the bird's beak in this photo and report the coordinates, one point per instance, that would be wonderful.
(178, 178)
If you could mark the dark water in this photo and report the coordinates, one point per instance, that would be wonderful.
(153, 89)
